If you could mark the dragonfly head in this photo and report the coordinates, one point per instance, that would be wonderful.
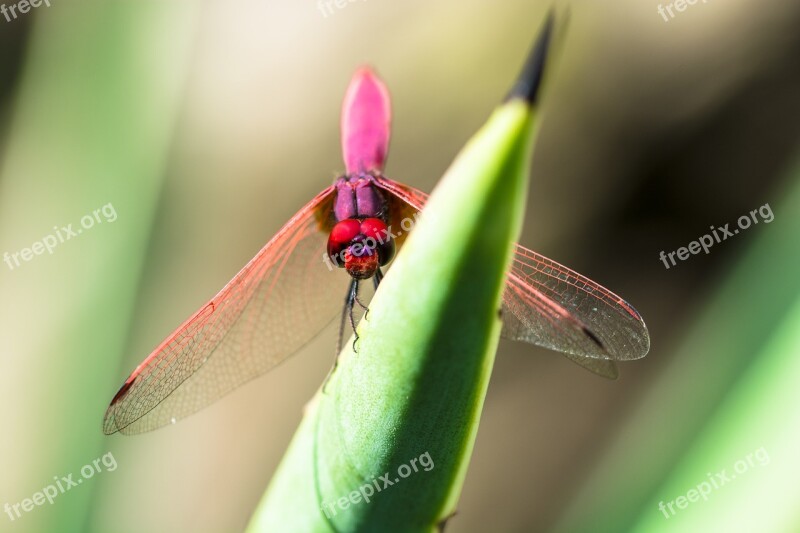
(360, 246)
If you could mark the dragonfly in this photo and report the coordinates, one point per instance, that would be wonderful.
(292, 288)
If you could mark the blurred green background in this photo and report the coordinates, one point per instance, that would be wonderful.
(207, 125)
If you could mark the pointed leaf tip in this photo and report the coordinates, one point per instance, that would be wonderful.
(530, 79)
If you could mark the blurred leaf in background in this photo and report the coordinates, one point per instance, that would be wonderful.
(91, 126)
(729, 389)
(207, 126)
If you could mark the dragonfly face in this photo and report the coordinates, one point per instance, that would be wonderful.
(360, 241)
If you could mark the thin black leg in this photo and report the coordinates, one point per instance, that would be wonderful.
(376, 279)
(352, 296)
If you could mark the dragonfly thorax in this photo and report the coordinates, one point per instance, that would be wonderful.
(360, 246)
(358, 197)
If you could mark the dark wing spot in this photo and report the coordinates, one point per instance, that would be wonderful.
(594, 338)
(123, 390)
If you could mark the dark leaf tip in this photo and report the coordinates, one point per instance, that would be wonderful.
(530, 79)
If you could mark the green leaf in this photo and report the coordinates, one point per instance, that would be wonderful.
(417, 382)
(386, 444)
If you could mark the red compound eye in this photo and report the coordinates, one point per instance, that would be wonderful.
(345, 231)
(375, 228)
(360, 245)
(340, 238)
(376, 233)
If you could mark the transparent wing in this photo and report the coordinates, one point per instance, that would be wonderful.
(552, 306)
(558, 308)
(516, 329)
(280, 300)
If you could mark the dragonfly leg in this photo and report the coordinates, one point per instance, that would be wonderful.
(352, 296)
(376, 279)
(361, 304)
